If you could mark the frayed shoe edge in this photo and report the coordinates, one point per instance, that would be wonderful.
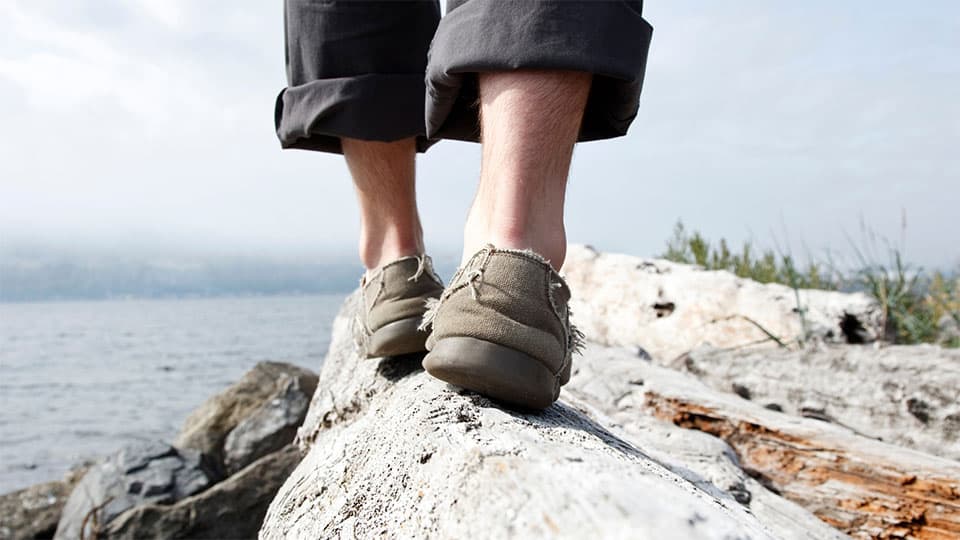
(433, 305)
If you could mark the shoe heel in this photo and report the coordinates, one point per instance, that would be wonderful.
(493, 370)
(396, 338)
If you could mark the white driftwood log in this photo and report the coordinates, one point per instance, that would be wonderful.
(633, 449)
(392, 452)
(905, 395)
(668, 308)
(864, 487)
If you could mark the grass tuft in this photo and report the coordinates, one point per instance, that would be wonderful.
(918, 307)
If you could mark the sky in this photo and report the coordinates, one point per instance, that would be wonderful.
(149, 123)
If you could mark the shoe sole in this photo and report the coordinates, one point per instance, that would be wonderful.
(493, 370)
(396, 338)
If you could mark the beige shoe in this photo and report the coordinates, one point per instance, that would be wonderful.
(502, 328)
(392, 303)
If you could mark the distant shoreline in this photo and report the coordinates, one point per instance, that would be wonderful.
(49, 274)
(135, 298)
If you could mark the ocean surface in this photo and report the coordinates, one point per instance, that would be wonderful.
(80, 379)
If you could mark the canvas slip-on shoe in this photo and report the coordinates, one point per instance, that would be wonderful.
(392, 304)
(502, 328)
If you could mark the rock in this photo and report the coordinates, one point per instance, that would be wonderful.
(268, 428)
(33, 512)
(393, 452)
(151, 472)
(231, 509)
(899, 394)
(208, 426)
(669, 308)
(241, 430)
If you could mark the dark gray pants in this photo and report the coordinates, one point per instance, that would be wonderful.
(389, 70)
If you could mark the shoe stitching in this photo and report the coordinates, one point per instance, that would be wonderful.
(433, 305)
(476, 275)
(454, 285)
(394, 263)
(421, 263)
(424, 265)
(572, 336)
(487, 251)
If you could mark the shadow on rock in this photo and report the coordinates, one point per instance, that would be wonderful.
(394, 368)
(559, 415)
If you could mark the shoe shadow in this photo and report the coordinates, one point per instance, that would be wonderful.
(560, 415)
(394, 368)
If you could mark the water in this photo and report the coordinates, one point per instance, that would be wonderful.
(80, 379)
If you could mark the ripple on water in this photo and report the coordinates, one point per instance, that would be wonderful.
(84, 378)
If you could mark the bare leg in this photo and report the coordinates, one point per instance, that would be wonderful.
(529, 123)
(384, 176)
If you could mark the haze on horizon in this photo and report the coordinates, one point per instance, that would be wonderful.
(149, 125)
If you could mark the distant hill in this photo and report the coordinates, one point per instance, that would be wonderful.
(61, 279)
(37, 274)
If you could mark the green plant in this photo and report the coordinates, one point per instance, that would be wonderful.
(912, 302)
(766, 267)
(898, 287)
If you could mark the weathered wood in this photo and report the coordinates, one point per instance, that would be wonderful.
(392, 452)
(862, 486)
(868, 492)
(668, 308)
(613, 381)
(905, 395)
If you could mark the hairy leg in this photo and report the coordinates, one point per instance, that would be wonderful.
(529, 123)
(384, 177)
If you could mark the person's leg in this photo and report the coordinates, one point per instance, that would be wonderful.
(482, 84)
(529, 123)
(384, 176)
(502, 326)
(541, 76)
(355, 71)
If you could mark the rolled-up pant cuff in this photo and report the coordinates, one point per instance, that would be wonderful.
(315, 115)
(608, 39)
(361, 69)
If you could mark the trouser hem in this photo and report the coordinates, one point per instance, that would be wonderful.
(608, 39)
(375, 107)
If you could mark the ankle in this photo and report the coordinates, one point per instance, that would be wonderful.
(376, 250)
(548, 242)
(375, 258)
(550, 249)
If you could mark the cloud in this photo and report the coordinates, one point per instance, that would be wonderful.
(157, 115)
(167, 12)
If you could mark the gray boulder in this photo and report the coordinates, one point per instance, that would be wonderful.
(150, 472)
(207, 427)
(231, 509)
(268, 428)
